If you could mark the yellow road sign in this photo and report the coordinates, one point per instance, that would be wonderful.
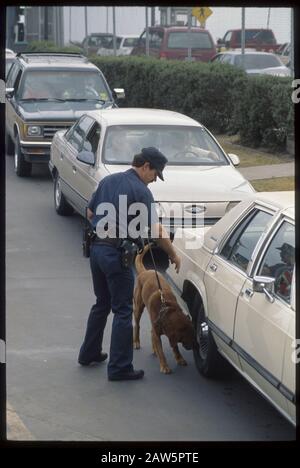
(201, 13)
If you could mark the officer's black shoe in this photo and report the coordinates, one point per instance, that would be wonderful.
(100, 358)
(131, 375)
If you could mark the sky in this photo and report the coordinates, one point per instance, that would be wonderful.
(131, 20)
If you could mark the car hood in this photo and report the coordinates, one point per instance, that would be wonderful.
(194, 184)
(56, 110)
(276, 71)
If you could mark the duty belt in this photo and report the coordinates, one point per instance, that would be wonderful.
(114, 242)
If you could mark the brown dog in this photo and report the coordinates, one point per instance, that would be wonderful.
(168, 320)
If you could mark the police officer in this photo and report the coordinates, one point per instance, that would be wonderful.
(114, 283)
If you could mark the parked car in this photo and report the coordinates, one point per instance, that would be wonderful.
(124, 45)
(259, 39)
(200, 177)
(44, 93)
(94, 41)
(172, 43)
(9, 60)
(254, 63)
(239, 288)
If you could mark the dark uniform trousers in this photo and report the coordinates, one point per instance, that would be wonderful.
(113, 287)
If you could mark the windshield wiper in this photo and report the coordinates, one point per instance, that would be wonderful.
(42, 99)
(86, 99)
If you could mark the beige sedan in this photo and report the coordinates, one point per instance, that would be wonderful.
(201, 181)
(240, 290)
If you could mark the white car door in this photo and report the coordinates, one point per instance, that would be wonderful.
(226, 275)
(264, 330)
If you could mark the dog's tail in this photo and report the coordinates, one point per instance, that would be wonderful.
(139, 260)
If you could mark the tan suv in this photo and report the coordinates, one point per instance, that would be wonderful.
(46, 92)
(172, 43)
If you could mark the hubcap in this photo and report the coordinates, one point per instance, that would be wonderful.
(57, 193)
(202, 338)
(16, 159)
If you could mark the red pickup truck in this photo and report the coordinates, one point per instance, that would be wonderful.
(258, 39)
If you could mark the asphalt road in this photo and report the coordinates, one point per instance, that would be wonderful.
(50, 397)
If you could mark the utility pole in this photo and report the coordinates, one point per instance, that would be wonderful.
(70, 23)
(114, 31)
(147, 32)
(46, 23)
(152, 16)
(292, 43)
(85, 21)
(268, 20)
(189, 34)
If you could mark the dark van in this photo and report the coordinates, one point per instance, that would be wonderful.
(172, 43)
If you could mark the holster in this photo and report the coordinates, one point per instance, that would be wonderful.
(88, 236)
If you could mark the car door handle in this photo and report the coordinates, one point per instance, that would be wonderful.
(248, 292)
(61, 156)
(213, 267)
(74, 169)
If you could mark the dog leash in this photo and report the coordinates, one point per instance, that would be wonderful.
(163, 308)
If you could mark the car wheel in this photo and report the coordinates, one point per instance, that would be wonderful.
(208, 360)
(62, 207)
(22, 167)
(9, 145)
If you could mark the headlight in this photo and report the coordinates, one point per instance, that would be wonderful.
(34, 130)
(231, 205)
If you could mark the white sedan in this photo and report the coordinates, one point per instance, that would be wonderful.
(201, 182)
(254, 62)
(240, 290)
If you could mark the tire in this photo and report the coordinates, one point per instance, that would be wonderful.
(9, 145)
(22, 167)
(208, 360)
(62, 207)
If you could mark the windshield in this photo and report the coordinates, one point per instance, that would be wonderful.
(192, 146)
(63, 84)
(259, 61)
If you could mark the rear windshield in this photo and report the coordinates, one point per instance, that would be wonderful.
(260, 36)
(184, 39)
(258, 61)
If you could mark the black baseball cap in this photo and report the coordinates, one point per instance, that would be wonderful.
(156, 159)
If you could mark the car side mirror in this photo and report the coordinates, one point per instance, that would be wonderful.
(87, 157)
(264, 284)
(234, 159)
(119, 93)
(219, 41)
(9, 92)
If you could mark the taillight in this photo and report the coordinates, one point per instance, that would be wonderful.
(163, 55)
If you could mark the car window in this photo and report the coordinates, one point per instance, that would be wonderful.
(240, 245)
(265, 36)
(279, 261)
(12, 76)
(91, 141)
(182, 40)
(226, 58)
(155, 39)
(130, 41)
(63, 84)
(78, 133)
(227, 36)
(259, 61)
(182, 145)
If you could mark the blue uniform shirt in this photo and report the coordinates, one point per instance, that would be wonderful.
(123, 206)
